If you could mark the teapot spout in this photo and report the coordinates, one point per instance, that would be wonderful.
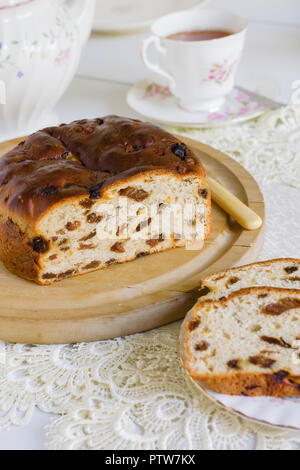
(82, 12)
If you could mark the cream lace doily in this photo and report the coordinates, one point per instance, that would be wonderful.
(131, 393)
(268, 147)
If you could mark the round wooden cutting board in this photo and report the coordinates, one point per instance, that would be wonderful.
(135, 296)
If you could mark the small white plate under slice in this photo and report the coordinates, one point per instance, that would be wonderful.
(132, 15)
(282, 413)
(157, 103)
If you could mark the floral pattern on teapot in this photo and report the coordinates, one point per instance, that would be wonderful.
(6, 61)
(40, 47)
(62, 56)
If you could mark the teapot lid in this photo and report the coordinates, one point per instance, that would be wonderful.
(13, 3)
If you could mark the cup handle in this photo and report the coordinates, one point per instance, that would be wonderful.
(155, 67)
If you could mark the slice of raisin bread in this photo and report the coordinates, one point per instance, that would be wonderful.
(283, 273)
(247, 344)
(93, 193)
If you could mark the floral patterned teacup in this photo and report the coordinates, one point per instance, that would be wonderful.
(199, 73)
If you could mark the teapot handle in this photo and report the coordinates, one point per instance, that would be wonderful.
(82, 12)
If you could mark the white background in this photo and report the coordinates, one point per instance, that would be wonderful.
(271, 63)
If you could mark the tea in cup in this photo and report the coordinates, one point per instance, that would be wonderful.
(199, 52)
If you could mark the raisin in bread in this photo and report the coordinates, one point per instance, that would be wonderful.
(247, 344)
(60, 191)
(284, 273)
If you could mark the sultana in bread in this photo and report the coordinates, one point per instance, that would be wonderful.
(282, 272)
(62, 188)
(247, 344)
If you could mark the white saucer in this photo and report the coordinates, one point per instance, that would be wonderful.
(281, 413)
(121, 16)
(158, 104)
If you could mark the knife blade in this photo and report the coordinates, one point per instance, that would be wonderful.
(263, 100)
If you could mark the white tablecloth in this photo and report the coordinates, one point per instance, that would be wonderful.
(131, 393)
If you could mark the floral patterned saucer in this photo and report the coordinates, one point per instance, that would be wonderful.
(157, 103)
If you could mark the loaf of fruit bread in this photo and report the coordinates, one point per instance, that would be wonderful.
(61, 188)
(247, 344)
(283, 272)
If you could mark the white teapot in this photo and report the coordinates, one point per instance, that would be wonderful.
(40, 46)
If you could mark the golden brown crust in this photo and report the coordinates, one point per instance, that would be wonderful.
(84, 158)
(16, 251)
(277, 384)
(257, 263)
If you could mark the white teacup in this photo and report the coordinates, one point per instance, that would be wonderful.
(199, 73)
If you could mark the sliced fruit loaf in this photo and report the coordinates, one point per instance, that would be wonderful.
(247, 344)
(283, 273)
(98, 192)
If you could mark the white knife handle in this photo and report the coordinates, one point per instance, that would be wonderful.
(245, 216)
